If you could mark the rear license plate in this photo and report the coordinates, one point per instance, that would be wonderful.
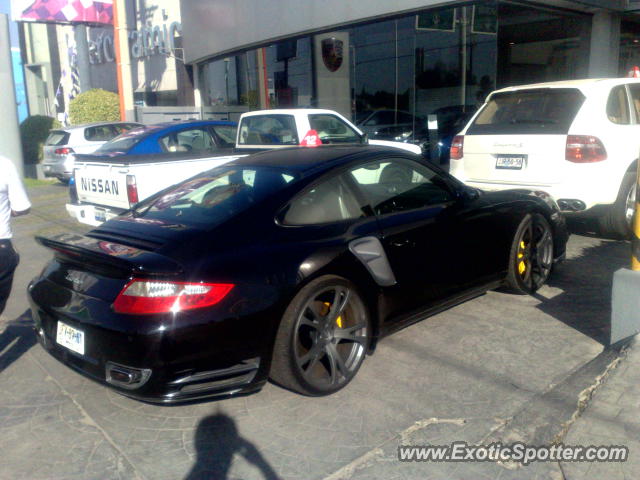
(510, 162)
(70, 337)
(101, 215)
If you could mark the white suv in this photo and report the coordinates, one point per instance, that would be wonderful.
(577, 140)
(63, 143)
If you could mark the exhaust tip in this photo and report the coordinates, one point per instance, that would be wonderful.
(126, 377)
(571, 205)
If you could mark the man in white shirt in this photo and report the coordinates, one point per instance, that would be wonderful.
(13, 202)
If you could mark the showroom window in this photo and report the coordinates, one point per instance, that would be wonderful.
(234, 81)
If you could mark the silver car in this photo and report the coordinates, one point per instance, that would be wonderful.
(63, 143)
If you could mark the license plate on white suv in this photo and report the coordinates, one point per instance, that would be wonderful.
(510, 162)
(70, 337)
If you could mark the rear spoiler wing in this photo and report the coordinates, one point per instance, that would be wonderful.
(125, 258)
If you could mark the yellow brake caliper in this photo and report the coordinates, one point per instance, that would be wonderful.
(522, 266)
(338, 320)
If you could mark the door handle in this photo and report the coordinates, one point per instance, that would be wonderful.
(402, 243)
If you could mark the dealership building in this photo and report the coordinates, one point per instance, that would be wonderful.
(406, 58)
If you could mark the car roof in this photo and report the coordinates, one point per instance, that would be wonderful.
(289, 111)
(92, 124)
(169, 126)
(308, 160)
(584, 84)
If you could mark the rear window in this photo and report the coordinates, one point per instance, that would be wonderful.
(539, 111)
(268, 130)
(214, 196)
(57, 138)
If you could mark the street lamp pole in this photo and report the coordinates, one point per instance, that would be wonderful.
(123, 60)
(10, 145)
(635, 239)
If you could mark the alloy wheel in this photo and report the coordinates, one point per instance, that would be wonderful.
(330, 339)
(534, 258)
(630, 205)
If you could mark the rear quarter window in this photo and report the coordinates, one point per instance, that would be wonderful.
(535, 111)
(618, 106)
(226, 134)
(101, 133)
(57, 138)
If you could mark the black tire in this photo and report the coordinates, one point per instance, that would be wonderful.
(309, 338)
(616, 223)
(531, 255)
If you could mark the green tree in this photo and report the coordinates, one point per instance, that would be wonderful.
(34, 130)
(94, 105)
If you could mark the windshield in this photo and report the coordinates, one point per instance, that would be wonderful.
(545, 110)
(122, 143)
(214, 196)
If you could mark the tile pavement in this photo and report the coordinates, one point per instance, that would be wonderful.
(462, 375)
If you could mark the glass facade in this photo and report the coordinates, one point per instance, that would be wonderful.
(415, 78)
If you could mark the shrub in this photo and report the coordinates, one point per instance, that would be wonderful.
(34, 131)
(94, 105)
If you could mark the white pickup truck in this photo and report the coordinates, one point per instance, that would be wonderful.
(107, 186)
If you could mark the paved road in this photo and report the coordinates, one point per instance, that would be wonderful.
(493, 368)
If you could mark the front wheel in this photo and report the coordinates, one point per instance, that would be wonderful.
(531, 255)
(322, 339)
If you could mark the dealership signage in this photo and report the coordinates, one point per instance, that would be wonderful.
(145, 42)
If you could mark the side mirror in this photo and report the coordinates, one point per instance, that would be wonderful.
(469, 194)
(364, 139)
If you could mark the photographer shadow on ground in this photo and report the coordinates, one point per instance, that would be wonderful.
(216, 442)
(16, 339)
(585, 282)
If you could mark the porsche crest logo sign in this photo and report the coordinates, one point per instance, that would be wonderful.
(332, 53)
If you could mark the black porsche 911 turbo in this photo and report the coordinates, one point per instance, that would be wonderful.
(288, 265)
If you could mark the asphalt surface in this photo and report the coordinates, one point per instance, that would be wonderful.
(497, 368)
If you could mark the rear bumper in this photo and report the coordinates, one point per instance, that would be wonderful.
(91, 214)
(57, 170)
(560, 192)
(592, 185)
(198, 360)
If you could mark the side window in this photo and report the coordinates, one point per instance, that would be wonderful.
(635, 99)
(404, 118)
(329, 201)
(398, 185)
(100, 133)
(191, 140)
(123, 127)
(617, 106)
(332, 129)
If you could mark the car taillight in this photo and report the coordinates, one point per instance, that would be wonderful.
(132, 189)
(584, 149)
(146, 297)
(455, 152)
(63, 151)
